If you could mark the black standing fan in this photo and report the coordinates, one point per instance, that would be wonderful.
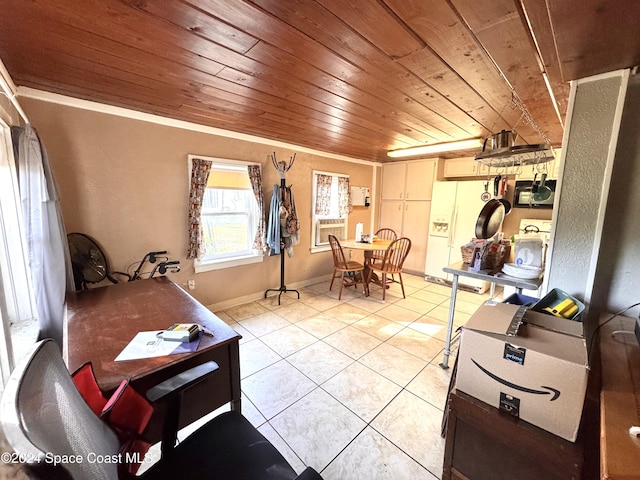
(88, 261)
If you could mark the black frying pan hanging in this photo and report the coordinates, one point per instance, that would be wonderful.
(490, 219)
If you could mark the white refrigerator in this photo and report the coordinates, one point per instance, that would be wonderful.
(455, 208)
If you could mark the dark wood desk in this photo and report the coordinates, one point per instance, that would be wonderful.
(102, 321)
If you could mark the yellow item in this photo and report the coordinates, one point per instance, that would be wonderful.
(567, 308)
(551, 311)
(564, 305)
(570, 312)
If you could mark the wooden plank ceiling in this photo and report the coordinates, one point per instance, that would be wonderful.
(354, 78)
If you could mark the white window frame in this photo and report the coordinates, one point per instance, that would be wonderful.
(206, 265)
(314, 218)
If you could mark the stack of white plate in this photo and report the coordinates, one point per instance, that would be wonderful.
(526, 272)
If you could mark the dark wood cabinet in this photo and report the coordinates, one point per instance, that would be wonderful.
(485, 443)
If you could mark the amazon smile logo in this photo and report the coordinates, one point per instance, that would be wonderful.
(548, 391)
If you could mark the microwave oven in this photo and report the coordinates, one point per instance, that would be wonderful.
(523, 197)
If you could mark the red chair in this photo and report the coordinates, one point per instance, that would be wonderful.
(44, 417)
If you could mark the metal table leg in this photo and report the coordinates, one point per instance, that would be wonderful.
(452, 309)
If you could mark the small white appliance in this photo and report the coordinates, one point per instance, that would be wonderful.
(455, 207)
(535, 225)
(532, 226)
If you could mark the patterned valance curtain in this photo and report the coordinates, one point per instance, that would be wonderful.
(344, 196)
(255, 176)
(199, 175)
(323, 195)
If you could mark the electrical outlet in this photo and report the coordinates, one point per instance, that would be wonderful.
(191, 284)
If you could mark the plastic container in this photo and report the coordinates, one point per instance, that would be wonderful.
(554, 298)
(359, 230)
(529, 250)
(519, 299)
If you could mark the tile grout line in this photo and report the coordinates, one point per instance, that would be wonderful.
(403, 388)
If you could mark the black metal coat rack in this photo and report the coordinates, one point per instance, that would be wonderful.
(282, 168)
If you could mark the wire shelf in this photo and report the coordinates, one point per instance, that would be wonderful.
(518, 155)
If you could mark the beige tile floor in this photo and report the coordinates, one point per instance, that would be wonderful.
(351, 387)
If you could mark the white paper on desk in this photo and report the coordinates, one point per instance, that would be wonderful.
(148, 345)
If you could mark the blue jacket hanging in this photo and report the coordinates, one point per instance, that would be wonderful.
(283, 230)
(273, 228)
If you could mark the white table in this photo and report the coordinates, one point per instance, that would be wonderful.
(499, 278)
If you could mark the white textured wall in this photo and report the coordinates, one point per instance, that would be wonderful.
(583, 185)
(596, 245)
(617, 282)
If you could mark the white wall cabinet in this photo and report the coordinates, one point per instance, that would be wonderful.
(416, 228)
(466, 167)
(409, 219)
(462, 167)
(408, 180)
(391, 212)
(406, 204)
(393, 181)
(419, 180)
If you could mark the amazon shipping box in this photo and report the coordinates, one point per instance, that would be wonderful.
(533, 366)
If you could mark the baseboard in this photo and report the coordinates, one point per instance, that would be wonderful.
(252, 297)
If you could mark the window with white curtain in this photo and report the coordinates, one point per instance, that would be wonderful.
(330, 200)
(229, 217)
(16, 299)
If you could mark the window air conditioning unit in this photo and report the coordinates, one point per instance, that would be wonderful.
(327, 226)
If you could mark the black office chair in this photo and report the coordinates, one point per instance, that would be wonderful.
(44, 416)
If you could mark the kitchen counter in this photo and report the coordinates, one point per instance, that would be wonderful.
(500, 278)
(462, 269)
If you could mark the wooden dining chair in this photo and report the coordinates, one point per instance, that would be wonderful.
(391, 264)
(355, 270)
(383, 234)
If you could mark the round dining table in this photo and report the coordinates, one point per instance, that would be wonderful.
(368, 248)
